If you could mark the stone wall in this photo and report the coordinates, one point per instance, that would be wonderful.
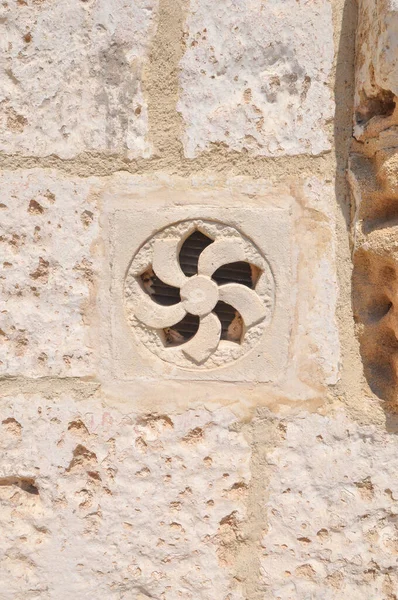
(219, 433)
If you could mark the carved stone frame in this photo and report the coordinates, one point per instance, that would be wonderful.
(270, 231)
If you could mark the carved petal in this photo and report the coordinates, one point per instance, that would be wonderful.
(219, 253)
(165, 262)
(157, 316)
(245, 300)
(206, 339)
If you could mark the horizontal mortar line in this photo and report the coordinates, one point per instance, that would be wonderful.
(76, 378)
(32, 384)
(216, 161)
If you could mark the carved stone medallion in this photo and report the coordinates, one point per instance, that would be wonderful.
(199, 294)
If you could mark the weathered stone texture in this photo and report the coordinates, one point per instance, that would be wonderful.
(377, 57)
(48, 249)
(71, 76)
(374, 190)
(255, 76)
(232, 469)
(332, 512)
(101, 503)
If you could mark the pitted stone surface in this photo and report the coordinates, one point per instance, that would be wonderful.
(70, 79)
(49, 230)
(134, 505)
(374, 187)
(254, 76)
(377, 59)
(332, 511)
(232, 471)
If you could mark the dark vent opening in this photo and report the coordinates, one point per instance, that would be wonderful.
(160, 292)
(191, 250)
(232, 325)
(231, 322)
(182, 331)
(238, 272)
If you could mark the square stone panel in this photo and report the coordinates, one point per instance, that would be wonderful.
(285, 334)
(145, 343)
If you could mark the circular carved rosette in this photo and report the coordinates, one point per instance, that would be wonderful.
(199, 294)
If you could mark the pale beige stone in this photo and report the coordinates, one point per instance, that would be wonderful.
(98, 502)
(316, 345)
(199, 294)
(374, 184)
(287, 232)
(332, 511)
(255, 76)
(48, 242)
(136, 465)
(131, 228)
(71, 76)
(57, 321)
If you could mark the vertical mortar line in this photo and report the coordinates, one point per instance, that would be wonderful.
(264, 436)
(161, 82)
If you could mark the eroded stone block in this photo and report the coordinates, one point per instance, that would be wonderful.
(145, 505)
(49, 230)
(374, 190)
(255, 76)
(71, 77)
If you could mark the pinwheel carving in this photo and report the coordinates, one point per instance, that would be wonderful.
(199, 293)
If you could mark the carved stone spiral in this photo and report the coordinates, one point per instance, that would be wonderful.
(199, 295)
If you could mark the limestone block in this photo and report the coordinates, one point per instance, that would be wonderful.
(100, 502)
(71, 77)
(164, 323)
(255, 75)
(332, 511)
(140, 321)
(49, 229)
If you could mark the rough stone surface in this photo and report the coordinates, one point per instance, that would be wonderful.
(49, 230)
(263, 472)
(71, 76)
(332, 512)
(374, 190)
(100, 502)
(255, 75)
(377, 57)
